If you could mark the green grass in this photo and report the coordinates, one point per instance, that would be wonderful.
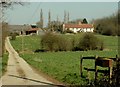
(32, 43)
(63, 66)
(3, 64)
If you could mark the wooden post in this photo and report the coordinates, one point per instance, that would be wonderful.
(110, 74)
(95, 69)
(117, 66)
(88, 75)
(81, 66)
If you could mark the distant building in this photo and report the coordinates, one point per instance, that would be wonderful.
(78, 27)
(33, 29)
(24, 29)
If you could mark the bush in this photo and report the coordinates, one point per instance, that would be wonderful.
(107, 25)
(109, 31)
(49, 41)
(13, 36)
(53, 42)
(116, 74)
(90, 42)
(69, 31)
(64, 44)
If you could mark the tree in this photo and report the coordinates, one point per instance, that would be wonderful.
(68, 17)
(49, 19)
(56, 26)
(108, 25)
(90, 42)
(76, 21)
(5, 4)
(40, 23)
(41, 19)
(65, 17)
(53, 42)
(84, 21)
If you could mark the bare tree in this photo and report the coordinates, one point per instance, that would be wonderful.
(5, 4)
(9, 3)
(68, 17)
(65, 17)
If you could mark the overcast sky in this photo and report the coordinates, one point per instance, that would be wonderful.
(30, 13)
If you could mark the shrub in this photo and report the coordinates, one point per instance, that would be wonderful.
(69, 31)
(90, 42)
(64, 44)
(109, 31)
(53, 42)
(13, 36)
(107, 25)
(116, 74)
(49, 41)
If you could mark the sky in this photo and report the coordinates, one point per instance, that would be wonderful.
(30, 13)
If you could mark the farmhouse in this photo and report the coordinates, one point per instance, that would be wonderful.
(23, 29)
(78, 27)
(33, 29)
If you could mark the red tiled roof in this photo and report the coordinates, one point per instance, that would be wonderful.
(78, 26)
(33, 29)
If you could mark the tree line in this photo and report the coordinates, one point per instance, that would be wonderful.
(56, 25)
(108, 25)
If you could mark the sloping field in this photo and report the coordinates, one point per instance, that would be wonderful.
(63, 66)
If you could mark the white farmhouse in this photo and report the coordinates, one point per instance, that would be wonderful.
(78, 27)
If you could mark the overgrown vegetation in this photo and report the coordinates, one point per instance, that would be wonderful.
(90, 42)
(54, 42)
(108, 25)
(13, 36)
(3, 64)
(116, 74)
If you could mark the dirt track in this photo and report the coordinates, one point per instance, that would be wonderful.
(19, 72)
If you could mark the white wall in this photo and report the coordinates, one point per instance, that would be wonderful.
(75, 30)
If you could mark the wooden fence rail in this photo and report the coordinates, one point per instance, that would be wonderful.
(99, 61)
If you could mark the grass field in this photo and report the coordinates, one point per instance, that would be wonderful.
(63, 66)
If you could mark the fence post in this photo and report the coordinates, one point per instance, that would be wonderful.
(118, 68)
(96, 68)
(110, 74)
(81, 65)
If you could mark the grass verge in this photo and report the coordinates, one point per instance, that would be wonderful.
(3, 64)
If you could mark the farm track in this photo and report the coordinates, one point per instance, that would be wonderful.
(20, 73)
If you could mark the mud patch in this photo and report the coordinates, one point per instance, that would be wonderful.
(21, 72)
